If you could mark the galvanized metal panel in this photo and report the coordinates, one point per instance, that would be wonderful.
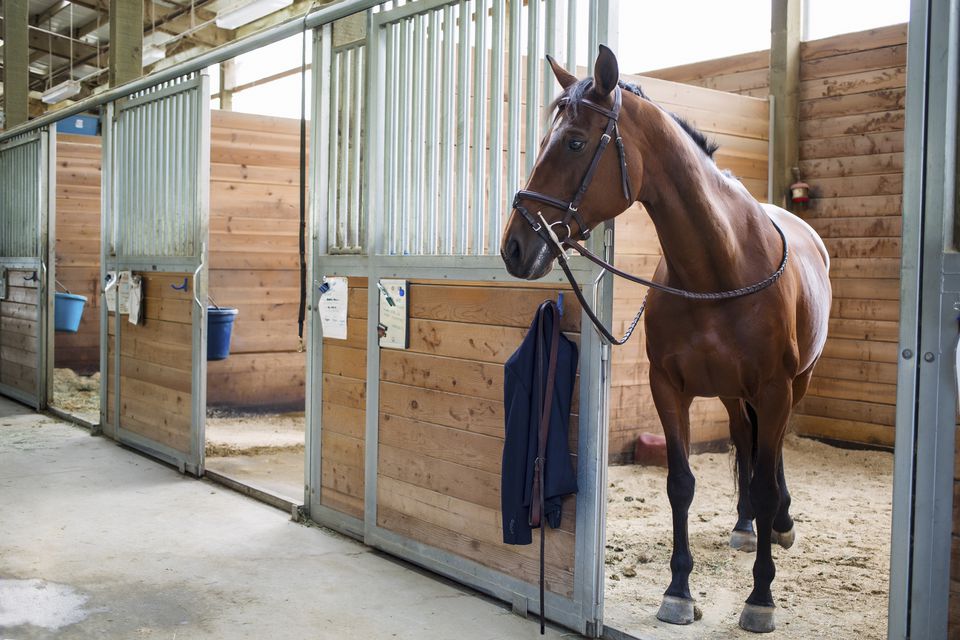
(21, 196)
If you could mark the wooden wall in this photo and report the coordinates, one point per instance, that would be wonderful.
(254, 223)
(78, 246)
(746, 74)
(156, 363)
(19, 332)
(442, 425)
(741, 125)
(343, 422)
(851, 153)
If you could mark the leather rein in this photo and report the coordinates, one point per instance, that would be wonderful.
(571, 210)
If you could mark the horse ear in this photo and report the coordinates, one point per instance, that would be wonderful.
(564, 77)
(606, 72)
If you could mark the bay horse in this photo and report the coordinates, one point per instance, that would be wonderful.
(710, 332)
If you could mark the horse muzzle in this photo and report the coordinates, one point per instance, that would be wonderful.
(525, 254)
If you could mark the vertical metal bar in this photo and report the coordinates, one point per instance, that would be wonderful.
(479, 124)
(448, 127)
(495, 197)
(417, 156)
(463, 135)
(432, 92)
(357, 218)
(533, 86)
(572, 37)
(513, 105)
(343, 210)
(333, 152)
(390, 133)
(403, 210)
(550, 46)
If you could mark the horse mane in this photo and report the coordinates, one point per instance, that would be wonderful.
(578, 91)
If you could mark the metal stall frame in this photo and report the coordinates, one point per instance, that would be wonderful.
(924, 455)
(584, 611)
(190, 258)
(44, 171)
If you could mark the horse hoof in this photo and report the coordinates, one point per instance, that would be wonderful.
(745, 541)
(676, 610)
(757, 618)
(784, 539)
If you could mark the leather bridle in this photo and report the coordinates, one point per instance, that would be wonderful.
(571, 210)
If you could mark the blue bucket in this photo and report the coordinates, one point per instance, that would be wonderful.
(67, 311)
(219, 327)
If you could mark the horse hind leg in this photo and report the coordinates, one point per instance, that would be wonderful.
(743, 434)
(673, 409)
(783, 533)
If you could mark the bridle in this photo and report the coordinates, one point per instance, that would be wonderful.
(571, 210)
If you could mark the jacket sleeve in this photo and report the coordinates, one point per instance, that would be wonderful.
(514, 472)
(560, 476)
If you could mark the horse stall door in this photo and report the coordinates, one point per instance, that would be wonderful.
(156, 181)
(24, 335)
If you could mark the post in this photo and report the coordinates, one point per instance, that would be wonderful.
(228, 80)
(126, 41)
(784, 84)
(16, 60)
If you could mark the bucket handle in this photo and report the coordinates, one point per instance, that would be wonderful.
(62, 286)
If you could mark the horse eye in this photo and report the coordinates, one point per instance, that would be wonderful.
(576, 145)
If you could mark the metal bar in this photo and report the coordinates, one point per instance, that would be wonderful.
(448, 128)
(495, 197)
(355, 216)
(514, 70)
(479, 124)
(572, 36)
(333, 153)
(343, 197)
(390, 133)
(533, 86)
(432, 91)
(463, 135)
(550, 46)
(417, 134)
(403, 207)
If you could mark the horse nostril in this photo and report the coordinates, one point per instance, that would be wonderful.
(513, 250)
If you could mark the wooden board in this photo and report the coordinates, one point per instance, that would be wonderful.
(19, 333)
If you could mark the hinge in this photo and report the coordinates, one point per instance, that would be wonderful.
(608, 245)
(604, 352)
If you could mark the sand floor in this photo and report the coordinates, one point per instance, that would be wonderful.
(831, 584)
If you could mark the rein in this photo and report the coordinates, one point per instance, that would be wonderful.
(558, 247)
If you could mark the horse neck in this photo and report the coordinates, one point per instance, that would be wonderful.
(698, 214)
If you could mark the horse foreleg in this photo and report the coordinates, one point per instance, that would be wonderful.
(742, 538)
(783, 532)
(673, 408)
(773, 410)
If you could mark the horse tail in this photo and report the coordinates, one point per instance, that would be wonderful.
(752, 453)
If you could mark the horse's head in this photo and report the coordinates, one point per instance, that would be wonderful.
(576, 183)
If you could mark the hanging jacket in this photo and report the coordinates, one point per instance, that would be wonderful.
(523, 398)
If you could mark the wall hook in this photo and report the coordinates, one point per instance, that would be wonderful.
(182, 287)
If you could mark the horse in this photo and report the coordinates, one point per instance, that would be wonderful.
(754, 346)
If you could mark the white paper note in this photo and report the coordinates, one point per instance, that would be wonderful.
(333, 308)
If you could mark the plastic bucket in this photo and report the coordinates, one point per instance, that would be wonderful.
(219, 327)
(67, 311)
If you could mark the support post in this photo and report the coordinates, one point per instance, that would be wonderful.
(228, 80)
(126, 41)
(16, 74)
(784, 86)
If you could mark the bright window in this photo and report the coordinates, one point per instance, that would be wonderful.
(825, 18)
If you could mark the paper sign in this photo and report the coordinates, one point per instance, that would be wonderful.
(393, 314)
(333, 307)
(124, 292)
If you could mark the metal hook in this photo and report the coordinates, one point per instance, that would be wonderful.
(182, 287)
(32, 278)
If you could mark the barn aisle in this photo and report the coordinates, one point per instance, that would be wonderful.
(99, 542)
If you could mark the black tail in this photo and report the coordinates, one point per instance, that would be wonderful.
(752, 454)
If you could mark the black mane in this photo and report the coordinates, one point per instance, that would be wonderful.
(580, 89)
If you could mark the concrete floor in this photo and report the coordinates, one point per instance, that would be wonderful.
(99, 542)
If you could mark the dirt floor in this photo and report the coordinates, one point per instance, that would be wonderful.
(77, 395)
(265, 451)
(831, 584)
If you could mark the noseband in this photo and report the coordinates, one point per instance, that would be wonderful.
(558, 247)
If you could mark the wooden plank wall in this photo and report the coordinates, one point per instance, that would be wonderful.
(254, 222)
(19, 332)
(156, 363)
(746, 74)
(851, 152)
(741, 125)
(344, 415)
(78, 246)
(441, 426)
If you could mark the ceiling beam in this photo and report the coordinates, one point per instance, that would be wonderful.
(58, 45)
(49, 12)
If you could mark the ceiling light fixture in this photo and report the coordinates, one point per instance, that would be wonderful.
(239, 16)
(61, 92)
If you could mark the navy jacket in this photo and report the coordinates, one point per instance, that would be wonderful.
(522, 400)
